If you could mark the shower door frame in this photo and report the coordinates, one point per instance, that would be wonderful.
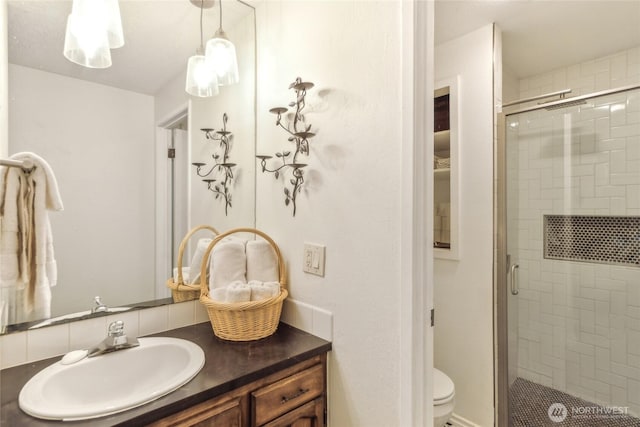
(500, 263)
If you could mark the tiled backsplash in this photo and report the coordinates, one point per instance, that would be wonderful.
(37, 344)
(578, 323)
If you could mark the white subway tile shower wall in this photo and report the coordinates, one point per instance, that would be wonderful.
(612, 71)
(579, 323)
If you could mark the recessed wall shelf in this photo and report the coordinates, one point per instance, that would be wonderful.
(446, 240)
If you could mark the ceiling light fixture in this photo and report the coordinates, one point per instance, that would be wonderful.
(94, 27)
(221, 55)
(202, 80)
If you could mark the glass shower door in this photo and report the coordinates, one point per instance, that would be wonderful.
(571, 233)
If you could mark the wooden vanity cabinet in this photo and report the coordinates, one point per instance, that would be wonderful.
(293, 397)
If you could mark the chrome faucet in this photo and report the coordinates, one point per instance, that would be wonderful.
(99, 307)
(115, 340)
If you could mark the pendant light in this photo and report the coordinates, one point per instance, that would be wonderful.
(221, 54)
(93, 28)
(201, 79)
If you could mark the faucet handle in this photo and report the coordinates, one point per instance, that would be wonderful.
(116, 329)
(99, 306)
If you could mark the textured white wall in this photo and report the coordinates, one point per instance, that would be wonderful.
(104, 239)
(351, 202)
(463, 290)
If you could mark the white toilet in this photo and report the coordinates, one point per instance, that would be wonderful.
(443, 398)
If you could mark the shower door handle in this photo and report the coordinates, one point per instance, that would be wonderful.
(513, 276)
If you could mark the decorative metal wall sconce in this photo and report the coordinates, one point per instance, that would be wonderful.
(223, 188)
(299, 134)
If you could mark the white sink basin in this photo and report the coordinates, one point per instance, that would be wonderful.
(113, 382)
(76, 315)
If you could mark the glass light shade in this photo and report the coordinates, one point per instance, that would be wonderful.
(85, 44)
(201, 79)
(114, 24)
(104, 15)
(221, 54)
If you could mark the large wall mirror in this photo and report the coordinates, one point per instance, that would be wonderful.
(106, 134)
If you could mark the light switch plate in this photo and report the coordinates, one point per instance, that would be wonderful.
(313, 259)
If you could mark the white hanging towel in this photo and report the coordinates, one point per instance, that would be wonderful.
(27, 261)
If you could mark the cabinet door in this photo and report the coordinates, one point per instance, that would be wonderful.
(310, 414)
(207, 414)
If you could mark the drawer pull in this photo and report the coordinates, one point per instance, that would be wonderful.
(299, 393)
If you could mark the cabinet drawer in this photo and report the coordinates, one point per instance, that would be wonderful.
(282, 396)
(211, 413)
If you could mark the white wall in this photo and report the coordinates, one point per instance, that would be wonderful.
(351, 202)
(171, 98)
(104, 239)
(4, 109)
(463, 290)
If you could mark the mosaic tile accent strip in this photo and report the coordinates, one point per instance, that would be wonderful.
(598, 239)
(533, 404)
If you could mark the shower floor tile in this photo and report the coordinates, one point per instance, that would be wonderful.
(531, 402)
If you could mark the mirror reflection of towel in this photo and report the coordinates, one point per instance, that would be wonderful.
(31, 228)
(196, 260)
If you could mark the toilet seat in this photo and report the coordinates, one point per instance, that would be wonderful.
(443, 388)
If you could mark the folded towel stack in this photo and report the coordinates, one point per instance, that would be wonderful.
(243, 271)
(442, 223)
(263, 290)
(238, 292)
(243, 292)
(228, 263)
(262, 263)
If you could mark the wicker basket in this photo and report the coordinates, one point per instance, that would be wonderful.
(181, 291)
(244, 321)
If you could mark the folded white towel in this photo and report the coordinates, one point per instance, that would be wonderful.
(262, 263)
(263, 290)
(196, 260)
(238, 291)
(228, 264)
(219, 294)
(185, 274)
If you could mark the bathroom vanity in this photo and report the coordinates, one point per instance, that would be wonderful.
(277, 381)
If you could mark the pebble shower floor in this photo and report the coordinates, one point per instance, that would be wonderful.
(531, 402)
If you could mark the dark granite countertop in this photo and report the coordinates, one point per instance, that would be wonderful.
(228, 365)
